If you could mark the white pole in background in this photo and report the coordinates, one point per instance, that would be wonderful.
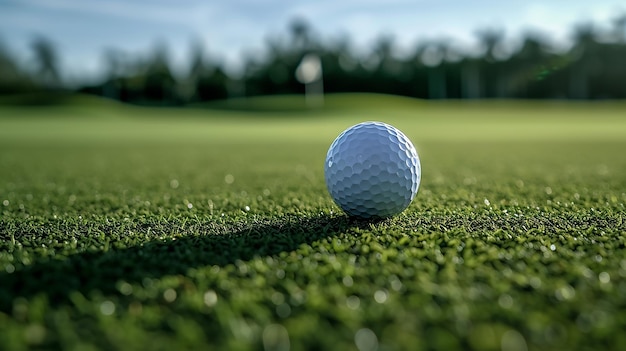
(309, 73)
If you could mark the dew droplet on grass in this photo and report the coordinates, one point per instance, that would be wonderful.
(535, 282)
(566, 292)
(9, 268)
(210, 298)
(347, 281)
(512, 340)
(276, 337)
(169, 295)
(365, 340)
(229, 179)
(505, 301)
(604, 277)
(380, 296)
(353, 302)
(107, 308)
(125, 288)
(278, 298)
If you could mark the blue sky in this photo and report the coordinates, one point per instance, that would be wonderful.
(83, 29)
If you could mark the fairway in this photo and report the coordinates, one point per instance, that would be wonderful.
(128, 228)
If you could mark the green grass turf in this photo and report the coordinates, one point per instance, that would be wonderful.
(165, 229)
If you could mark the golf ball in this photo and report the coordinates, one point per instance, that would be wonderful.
(372, 170)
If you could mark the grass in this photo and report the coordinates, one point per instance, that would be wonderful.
(134, 228)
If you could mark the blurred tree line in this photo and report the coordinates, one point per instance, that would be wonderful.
(594, 67)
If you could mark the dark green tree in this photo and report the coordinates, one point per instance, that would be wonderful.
(592, 68)
(528, 67)
(46, 62)
(491, 79)
(619, 25)
(158, 82)
(206, 79)
(13, 79)
(583, 56)
(300, 31)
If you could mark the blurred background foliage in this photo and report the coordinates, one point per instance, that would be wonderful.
(593, 67)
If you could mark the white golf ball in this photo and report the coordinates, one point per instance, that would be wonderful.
(372, 170)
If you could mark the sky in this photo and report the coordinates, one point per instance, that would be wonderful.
(229, 29)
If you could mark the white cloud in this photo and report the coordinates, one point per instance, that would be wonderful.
(183, 15)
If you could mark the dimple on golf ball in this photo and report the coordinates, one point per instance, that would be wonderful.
(372, 170)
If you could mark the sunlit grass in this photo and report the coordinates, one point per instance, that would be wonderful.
(132, 228)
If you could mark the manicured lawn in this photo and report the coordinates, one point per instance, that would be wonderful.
(169, 229)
